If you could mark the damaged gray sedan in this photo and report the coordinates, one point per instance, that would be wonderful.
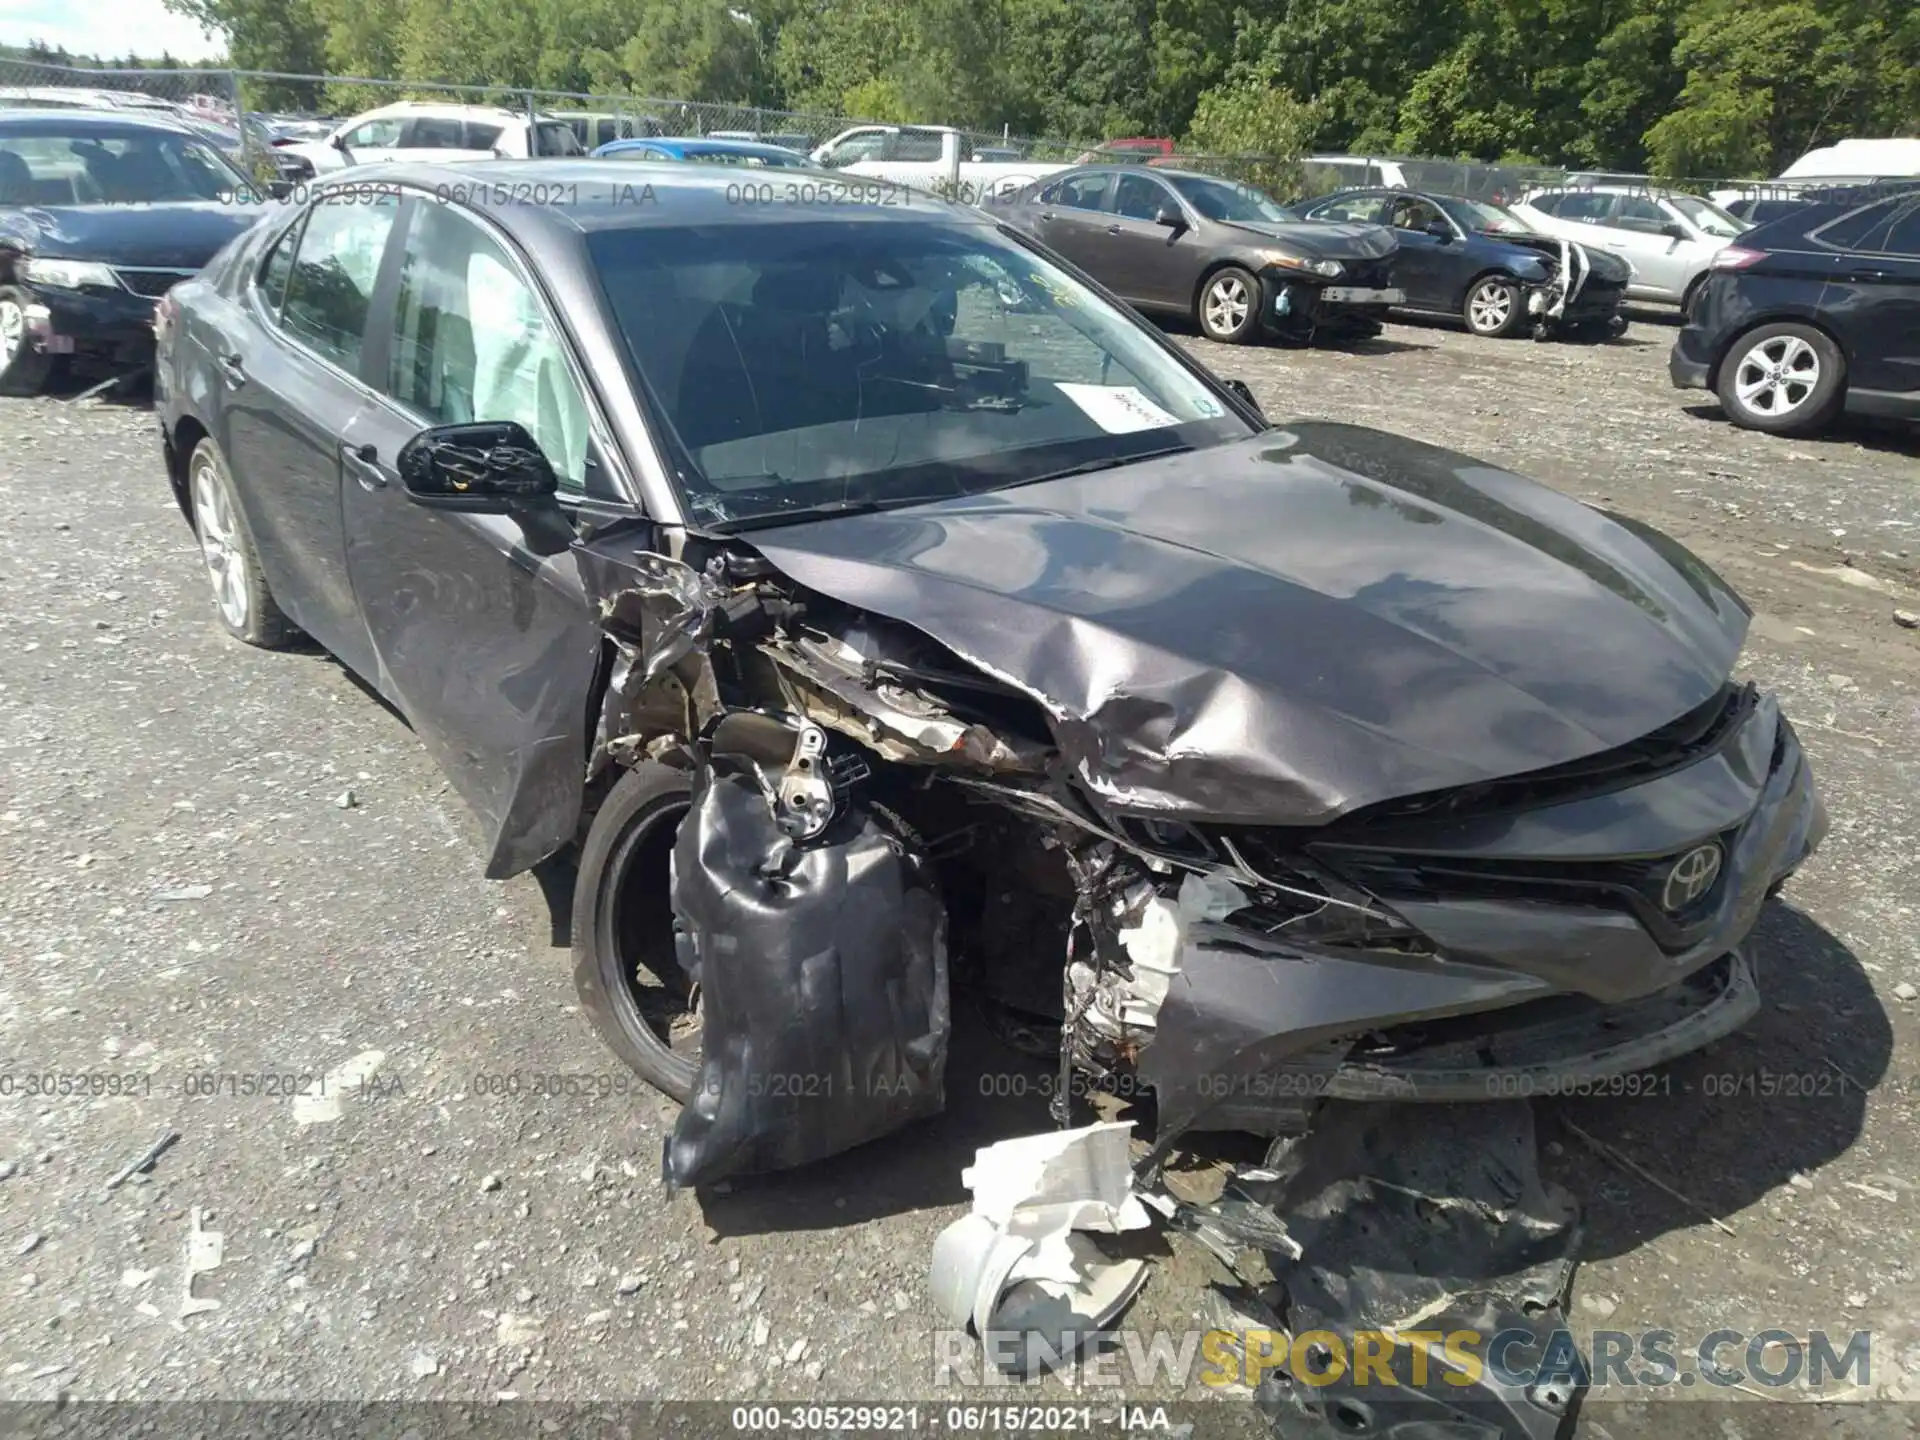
(890, 614)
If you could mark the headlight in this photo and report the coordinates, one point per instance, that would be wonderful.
(1331, 269)
(70, 274)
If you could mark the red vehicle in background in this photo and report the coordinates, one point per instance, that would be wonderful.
(1119, 152)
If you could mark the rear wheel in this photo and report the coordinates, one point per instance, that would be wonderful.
(1229, 306)
(240, 595)
(1493, 307)
(23, 369)
(626, 968)
(1785, 379)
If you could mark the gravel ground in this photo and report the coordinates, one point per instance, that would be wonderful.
(222, 870)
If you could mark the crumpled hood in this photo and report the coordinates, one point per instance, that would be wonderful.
(183, 235)
(1297, 625)
(1344, 240)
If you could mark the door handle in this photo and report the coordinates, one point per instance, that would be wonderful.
(235, 372)
(1046, 215)
(1116, 230)
(364, 462)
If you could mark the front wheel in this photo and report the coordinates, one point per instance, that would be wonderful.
(1785, 379)
(1229, 306)
(1493, 307)
(23, 369)
(626, 966)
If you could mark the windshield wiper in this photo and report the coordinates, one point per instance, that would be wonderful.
(1105, 462)
(824, 509)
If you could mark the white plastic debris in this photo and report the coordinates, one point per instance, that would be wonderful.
(205, 1249)
(1017, 1271)
(1156, 944)
(323, 1105)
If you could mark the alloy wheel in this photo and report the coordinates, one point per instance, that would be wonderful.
(1490, 306)
(1227, 305)
(1777, 376)
(220, 544)
(13, 331)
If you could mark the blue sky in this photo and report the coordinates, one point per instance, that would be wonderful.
(106, 27)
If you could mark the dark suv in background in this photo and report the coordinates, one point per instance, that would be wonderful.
(1811, 314)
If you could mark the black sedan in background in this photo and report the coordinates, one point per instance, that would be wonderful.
(1811, 314)
(1485, 266)
(1240, 264)
(761, 542)
(100, 212)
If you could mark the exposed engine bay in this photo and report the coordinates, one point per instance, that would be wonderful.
(874, 819)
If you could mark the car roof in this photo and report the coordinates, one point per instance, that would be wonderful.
(28, 121)
(608, 195)
(439, 109)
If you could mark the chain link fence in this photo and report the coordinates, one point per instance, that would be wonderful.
(243, 111)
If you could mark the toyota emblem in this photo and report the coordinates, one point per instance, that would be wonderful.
(1692, 876)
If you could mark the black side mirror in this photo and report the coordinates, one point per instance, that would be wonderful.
(279, 189)
(1244, 393)
(1171, 218)
(338, 142)
(1440, 230)
(1675, 231)
(490, 468)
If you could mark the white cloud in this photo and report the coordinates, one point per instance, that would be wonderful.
(107, 28)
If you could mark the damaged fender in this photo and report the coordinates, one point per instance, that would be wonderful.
(823, 985)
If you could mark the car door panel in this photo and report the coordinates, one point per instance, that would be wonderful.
(1423, 263)
(1144, 261)
(291, 393)
(1873, 302)
(484, 635)
(1075, 221)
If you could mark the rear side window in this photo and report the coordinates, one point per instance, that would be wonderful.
(331, 281)
(433, 132)
(1904, 238)
(1862, 229)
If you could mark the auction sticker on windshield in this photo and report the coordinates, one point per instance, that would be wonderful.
(1116, 409)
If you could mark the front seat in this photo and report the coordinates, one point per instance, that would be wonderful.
(16, 180)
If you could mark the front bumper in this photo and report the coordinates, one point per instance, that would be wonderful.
(1291, 304)
(97, 324)
(1552, 962)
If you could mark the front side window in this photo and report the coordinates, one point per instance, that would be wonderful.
(1637, 212)
(271, 280)
(335, 264)
(1365, 209)
(1410, 212)
(1709, 218)
(375, 134)
(471, 343)
(1221, 200)
(1139, 198)
(915, 145)
(1473, 215)
(550, 137)
(885, 361)
(1589, 205)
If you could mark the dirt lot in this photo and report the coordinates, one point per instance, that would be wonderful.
(220, 867)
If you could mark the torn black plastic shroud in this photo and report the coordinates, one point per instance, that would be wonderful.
(823, 981)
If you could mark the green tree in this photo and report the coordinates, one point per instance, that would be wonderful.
(1248, 115)
(279, 35)
(697, 49)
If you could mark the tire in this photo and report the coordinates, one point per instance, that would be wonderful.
(1494, 307)
(241, 600)
(624, 967)
(23, 369)
(1228, 306)
(1784, 379)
